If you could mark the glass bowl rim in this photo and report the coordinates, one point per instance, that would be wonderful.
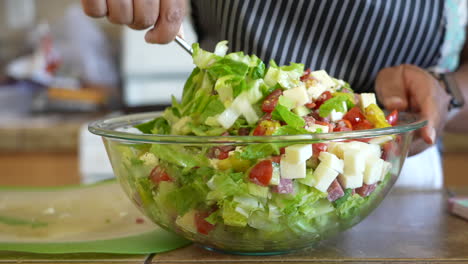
(107, 128)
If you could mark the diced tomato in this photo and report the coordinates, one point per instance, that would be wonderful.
(266, 116)
(322, 98)
(158, 175)
(223, 155)
(282, 150)
(357, 119)
(271, 101)
(310, 105)
(261, 173)
(203, 227)
(266, 127)
(306, 75)
(354, 116)
(276, 159)
(363, 125)
(259, 130)
(392, 118)
(319, 147)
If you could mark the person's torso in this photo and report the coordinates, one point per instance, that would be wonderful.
(352, 40)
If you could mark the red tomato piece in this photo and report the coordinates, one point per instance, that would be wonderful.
(259, 130)
(306, 76)
(158, 175)
(271, 101)
(354, 116)
(319, 147)
(203, 227)
(392, 118)
(262, 172)
(363, 125)
(282, 150)
(223, 155)
(322, 98)
(266, 116)
(310, 105)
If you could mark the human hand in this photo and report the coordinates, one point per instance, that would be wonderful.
(164, 16)
(410, 88)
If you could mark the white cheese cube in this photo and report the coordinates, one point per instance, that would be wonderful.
(354, 161)
(323, 77)
(351, 180)
(297, 153)
(380, 140)
(337, 148)
(367, 99)
(386, 166)
(292, 170)
(316, 90)
(324, 177)
(373, 170)
(336, 116)
(331, 161)
(333, 147)
(314, 127)
(373, 150)
(298, 95)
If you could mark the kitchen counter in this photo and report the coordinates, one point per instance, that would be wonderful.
(409, 227)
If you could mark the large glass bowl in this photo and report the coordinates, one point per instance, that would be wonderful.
(138, 162)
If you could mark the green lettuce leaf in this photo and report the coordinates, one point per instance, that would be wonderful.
(214, 107)
(350, 207)
(232, 217)
(179, 156)
(290, 130)
(335, 103)
(226, 66)
(258, 151)
(202, 58)
(282, 113)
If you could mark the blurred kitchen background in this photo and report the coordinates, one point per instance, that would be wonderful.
(60, 69)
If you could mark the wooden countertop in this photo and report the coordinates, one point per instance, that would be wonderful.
(409, 227)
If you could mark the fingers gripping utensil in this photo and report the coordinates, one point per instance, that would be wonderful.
(182, 43)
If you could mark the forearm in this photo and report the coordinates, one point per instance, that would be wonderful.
(459, 123)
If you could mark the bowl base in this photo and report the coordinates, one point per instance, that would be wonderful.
(244, 253)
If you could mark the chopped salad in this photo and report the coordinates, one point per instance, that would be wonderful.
(269, 191)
